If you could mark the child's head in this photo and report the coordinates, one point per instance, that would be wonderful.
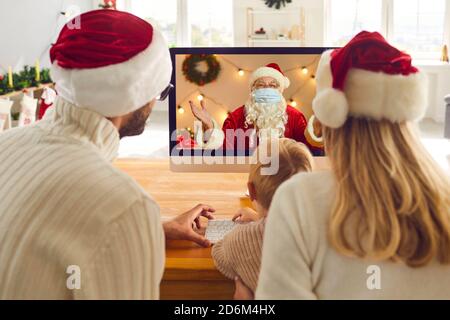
(293, 157)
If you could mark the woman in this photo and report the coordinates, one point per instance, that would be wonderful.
(378, 225)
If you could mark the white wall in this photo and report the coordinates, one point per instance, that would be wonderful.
(314, 13)
(28, 27)
(438, 87)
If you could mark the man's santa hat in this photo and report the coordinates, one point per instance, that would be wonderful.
(271, 70)
(114, 64)
(368, 78)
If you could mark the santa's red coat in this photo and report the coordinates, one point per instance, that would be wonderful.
(294, 129)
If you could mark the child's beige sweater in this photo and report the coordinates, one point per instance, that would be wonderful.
(239, 253)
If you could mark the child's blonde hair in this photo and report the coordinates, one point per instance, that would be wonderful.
(293, 157)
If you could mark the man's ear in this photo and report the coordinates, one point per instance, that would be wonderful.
(252, 191)
(116, 121)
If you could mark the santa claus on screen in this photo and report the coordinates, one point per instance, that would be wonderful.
(265, 112)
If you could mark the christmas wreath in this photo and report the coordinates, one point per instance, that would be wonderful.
(277, 3)
(192, 74)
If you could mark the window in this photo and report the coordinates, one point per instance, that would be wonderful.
(211, 23)
(418, 25)
(187, 22)
(161, 14)
(348, 17)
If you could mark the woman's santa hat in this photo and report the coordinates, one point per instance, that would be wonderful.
(114, 64)
(272, 70)
(368, 78)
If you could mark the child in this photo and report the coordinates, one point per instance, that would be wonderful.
(239, 253)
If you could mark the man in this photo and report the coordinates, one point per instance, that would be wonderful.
(71, 225)
(266, 111)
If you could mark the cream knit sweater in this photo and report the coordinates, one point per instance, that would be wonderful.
(62, 203)
(298, 262)
(239, 253)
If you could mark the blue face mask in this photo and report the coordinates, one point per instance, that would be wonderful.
(267, 95)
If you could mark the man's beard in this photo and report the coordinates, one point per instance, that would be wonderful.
(136, 124)
(267, 117)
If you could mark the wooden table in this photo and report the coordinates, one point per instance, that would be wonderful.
(190, 272)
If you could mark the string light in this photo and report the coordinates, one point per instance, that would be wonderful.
(223, 116)
(200, 97)
(304, 69)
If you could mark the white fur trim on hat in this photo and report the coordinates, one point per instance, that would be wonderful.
(374, 95)
(331, 108)
(118, 89)
(270, 72)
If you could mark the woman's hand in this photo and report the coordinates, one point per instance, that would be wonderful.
(242, 292)
(182, 226)
(246, 215)
(202, 115)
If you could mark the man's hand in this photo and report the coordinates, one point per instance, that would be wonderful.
(202, 115)
(182, 227)
(246, 215)
(242, 292)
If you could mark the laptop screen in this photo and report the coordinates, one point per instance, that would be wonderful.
(228, 99)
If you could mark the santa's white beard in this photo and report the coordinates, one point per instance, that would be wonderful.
(269, 119)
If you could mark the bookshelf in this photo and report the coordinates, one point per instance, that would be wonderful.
(290, 23)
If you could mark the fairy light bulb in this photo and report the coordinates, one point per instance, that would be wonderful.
(225, 115)
(200, 97)
(180, 110)
(241, 72)
(305, 70)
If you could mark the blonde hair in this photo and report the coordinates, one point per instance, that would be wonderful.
(392, 200)
(293, 157)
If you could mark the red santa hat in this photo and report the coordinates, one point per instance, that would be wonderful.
(114, 64)
(271, 70)
(368, 78)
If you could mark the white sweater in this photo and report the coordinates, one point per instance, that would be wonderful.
(298, 263)
(62, 203)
